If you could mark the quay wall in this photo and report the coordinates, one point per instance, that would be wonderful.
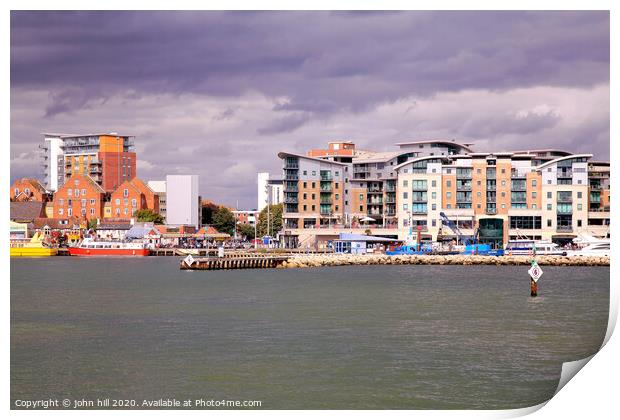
(302, 261)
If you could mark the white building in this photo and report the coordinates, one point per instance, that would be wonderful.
(53, 159)
(159, 188)
(269, 188)
(182, 200)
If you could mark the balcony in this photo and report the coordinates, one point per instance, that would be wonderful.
(326, 178)
(291, 188)
(390, 199)
(326, 212)
(389, 187)
(96, 170)
(375, 190)
(567, 200)
(326, 187)
(491, 210)
(326, 200)
(376, 202)
(564, 228)
(565, 174)
(463, 187)
(291, 177)
(290, 200)
(291, 164)
(491, 187)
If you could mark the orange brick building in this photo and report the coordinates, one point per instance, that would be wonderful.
(80, 196)
(129, 197)
(28, 189)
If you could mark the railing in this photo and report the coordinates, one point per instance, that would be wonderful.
(565, 174)
(390, 188)
(565, 200)
(491, 210)
(326, 188)
(326, 178)
(376, 202)
(326, 201)
(291, 165)
(291, 177)
(291, 188)
(463, 187)
(491, 187)
(391, 200)
(564, 228)
(290, 200)
(374, 190)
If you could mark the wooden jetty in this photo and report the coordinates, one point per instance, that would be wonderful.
(230, 262)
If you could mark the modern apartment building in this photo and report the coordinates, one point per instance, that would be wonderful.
(109, 159)
(159, 188)
(539, 194)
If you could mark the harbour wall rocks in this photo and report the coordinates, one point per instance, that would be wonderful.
(303, 261)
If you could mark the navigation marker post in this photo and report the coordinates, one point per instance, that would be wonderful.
(535, 273)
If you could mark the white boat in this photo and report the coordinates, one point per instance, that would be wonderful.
(526, 247)
(597, 249)
(94, 247)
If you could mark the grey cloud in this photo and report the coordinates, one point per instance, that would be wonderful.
(285, 124)
(489, 126)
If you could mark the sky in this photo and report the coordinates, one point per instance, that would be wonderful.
(219, 94)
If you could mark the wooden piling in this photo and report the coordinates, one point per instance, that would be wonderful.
(533, 288)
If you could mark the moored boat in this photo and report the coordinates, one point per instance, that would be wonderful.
(34, 247)
(527, 246)
(92, 247)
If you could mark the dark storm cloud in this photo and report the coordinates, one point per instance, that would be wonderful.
(323, 62)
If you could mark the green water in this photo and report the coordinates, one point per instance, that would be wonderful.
(359, 337)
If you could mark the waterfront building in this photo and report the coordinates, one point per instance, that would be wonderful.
(129, 197)
(113, 229)
(28, 189)
(539, 194)
(80, 196)
(109, 159)
(269, 190)
(26, 211)
(182, 200)
(159, 188)
(246, 217)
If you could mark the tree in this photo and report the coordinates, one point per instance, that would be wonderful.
(246, 230)
(148, 215)
(224, 220)
(275, 220)
(92, 224)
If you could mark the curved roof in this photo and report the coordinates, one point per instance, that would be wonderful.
(464, 146)
(419, 159)
(551, 162)
(282, 155)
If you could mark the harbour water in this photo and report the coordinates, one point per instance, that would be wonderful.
(358, 337)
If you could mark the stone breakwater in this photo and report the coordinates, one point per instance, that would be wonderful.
(303, 261)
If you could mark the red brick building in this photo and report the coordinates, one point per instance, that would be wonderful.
(132, 196)
(80, 196)
(28, 189)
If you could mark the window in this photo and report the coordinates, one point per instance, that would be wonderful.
(305, 196)
(27, 191)
(434, 195)
(433, 183)
(549, 194)
(125, 201)
(83, 191)
(448, 183)
(533, 194)
(336, 185)
(118, 211)
(125, 210)
(83, 202)
(337, 173)
(361, 208)
(578, 194)
(69, 211)
(77, 182)
(92, 211)
(313, 196)
(305, 207)
(479, 182)
(361, 197)
(92, 201)
(503, 170)
(434, 206)
(118, 201)
(578, 223)
(69, 202)
(534, 207)
(549, 207)
(134, 202)
(479, 194)
(83, 212)
(449, 206)
(125, 192)
(478, 171)
(405, 195)
(313, 173)
(60, 211)
(313, 207)
(61, 201)
(503, 182)
(314, 185)
(77, 193)
(405, 183)
(579, 207)
(405, 207)
(305, 185)
(16, 191)
(336, 207)
(69, 192)
(337, 196)
(305, 172)
(534, 183)
(448, 195)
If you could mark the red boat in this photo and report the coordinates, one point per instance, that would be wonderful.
(90, 247)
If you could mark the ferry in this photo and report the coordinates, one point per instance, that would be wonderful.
(526, 247)
(92, 247)
(35, 247)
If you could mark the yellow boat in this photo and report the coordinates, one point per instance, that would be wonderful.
(34, 247)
